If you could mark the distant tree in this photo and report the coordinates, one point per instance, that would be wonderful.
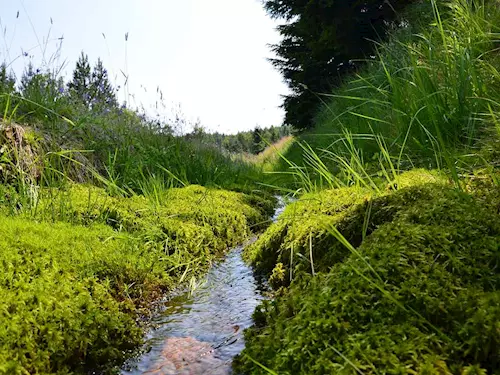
(91, 87)
(45, 93)
(257, 146)
(7, 80)
(274, 135)
(103, 94)
(79, 86)
(253, 141)
(41, 87)
(199, 133)
(244, 139)
(231, 144)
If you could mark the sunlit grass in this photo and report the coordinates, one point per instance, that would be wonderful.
(428, 99)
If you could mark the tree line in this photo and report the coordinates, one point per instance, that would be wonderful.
(89, 89)
(90, 92)
(252, 141)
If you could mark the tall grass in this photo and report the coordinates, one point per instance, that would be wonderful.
(114, 145)
(119, 149)
(429, 96)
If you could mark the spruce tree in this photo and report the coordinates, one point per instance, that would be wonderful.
(7, 81)
(257, 145)
(322, 41)
(91, 87)
(103, 93)
(79, 87)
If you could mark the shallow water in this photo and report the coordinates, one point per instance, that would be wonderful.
(200, 333)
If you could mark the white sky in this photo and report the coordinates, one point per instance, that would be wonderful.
(209, 56)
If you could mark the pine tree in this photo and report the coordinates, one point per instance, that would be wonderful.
(7, 81)
(102, 92)
(79, 87)
(322, 41)
(91, 87)
(257, 145)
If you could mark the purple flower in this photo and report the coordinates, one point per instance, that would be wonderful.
(61, 90)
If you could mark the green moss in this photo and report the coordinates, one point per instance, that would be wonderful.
(217, 218)
(78, 265)
(419, 177)
(302, 224)
(57, 300)
(419, 295)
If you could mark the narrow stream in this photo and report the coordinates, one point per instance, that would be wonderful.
(200, 333)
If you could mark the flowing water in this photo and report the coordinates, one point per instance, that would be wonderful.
(201, 332)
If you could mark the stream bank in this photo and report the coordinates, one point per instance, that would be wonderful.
(81, 264)
(401, 281)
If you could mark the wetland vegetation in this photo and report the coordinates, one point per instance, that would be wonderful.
(386, 261)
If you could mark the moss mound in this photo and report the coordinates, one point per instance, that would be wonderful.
(418, 292)
(79, 265)
(303, 228)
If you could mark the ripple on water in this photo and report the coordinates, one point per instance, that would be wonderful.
(202, 332)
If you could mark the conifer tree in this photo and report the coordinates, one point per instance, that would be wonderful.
(103, 93)
(322, 41)
(92, 87)
(7, 81)
(257, 145)
(79, 87)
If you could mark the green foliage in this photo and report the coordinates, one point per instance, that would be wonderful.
(41, 96)
(416, 291)
(102, 93)
(7, 81)
(85, 137)
(257, 144)
(79, 264)
(91, 88)
(242, 142)
(322, 41)
(80, 84)
(430, 96)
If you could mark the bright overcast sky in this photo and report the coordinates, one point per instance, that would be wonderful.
(207, 56)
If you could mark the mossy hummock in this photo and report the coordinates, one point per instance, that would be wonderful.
(416, 293)
(79, 266)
